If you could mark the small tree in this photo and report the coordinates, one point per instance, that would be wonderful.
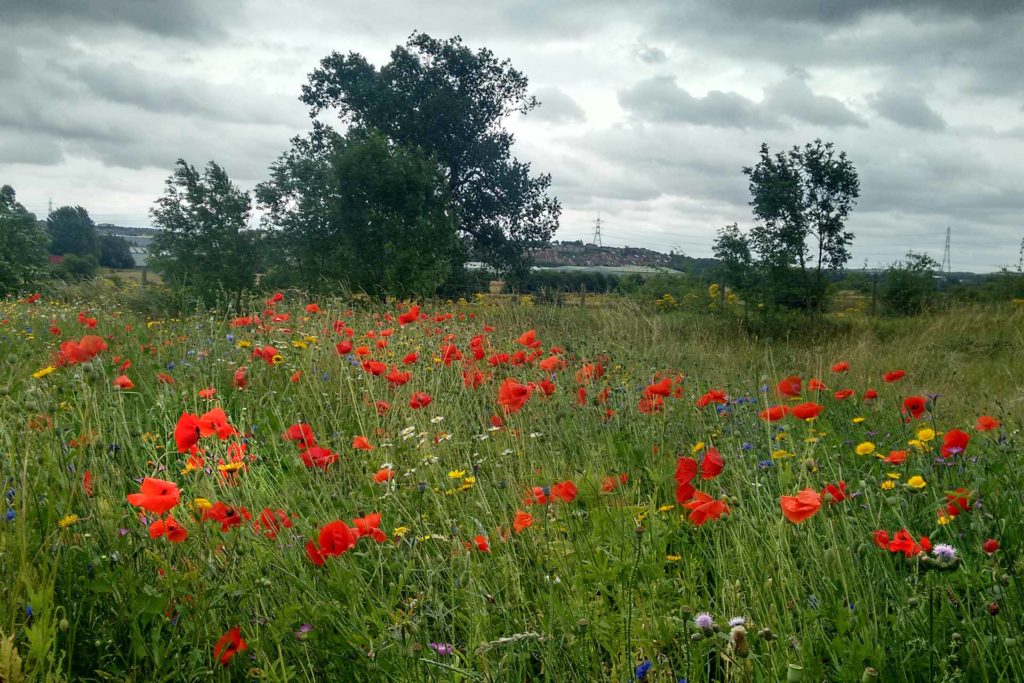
(800, 195)
(115, 252)
(910, 284)
(736, 265)
(72, 232)
(22, 244)
(204, 243)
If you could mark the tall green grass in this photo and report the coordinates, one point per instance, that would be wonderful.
(589, 592)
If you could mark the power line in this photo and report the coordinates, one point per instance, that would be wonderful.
(597, 230)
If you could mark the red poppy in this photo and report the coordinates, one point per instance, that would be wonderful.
(712, 396)
(954, 442)
(522, 521)
(343, 347)
(802, 506)
(512, 395)
(914, 407)
(712, 464)
(870, 395)
(369, 525)
(229, 645)
(529, 338)
(806, 411)
(790, 386)
(536, 496)
(551, 364)
(215, 422)
(318, 456)
(686, 470)
(650, 404)
(481, 544)
(207, 393)
(773, 413)
(419, 400)
(589, 373)
(895, 458)
(612, 482)
(816, 385)
(156, 496)
(841, 366)
(296, 376)
(565, 491)
(168, 527)
(164, 378)
(87, 483)
(843, 394)
(958, 501)
(312, 308)
(270, 522)
(662, 388)
(334, 539)
(835, 492)
(703, 507)
(375, 367)
(881, 538)
(987, 423)
(411, 315)
(301, 434)
(122, 382)
(384, 474)
(903, 542)
(361, 443)
(240, 381)
(894, 376)
(990, 546)
(226, 515)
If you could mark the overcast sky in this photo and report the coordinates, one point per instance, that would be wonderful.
(650, 109)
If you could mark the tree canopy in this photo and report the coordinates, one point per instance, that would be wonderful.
(204, 242)
(22, 244)
(72, 232)
(115, 252)
(801, 199)
(451, 102)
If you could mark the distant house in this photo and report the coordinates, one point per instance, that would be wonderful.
(138, 240)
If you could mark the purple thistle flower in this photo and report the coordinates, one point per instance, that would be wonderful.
(442, 648)
(704, 621)
(944, 552)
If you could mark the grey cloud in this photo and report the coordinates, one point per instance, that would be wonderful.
(649, 54)
(557, 107)
(18, 148)
(179, 18)
(794, 98)
(661, 99)
(907, 109)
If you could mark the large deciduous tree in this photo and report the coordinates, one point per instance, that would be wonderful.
(801, 200)
(204, 243)
(452, 103)
(22, 244)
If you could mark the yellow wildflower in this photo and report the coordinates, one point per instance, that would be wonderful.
(781, 453)
(401, 531)
(865, 448)
(888, 485)
(39, 374)
(917, 482)
(457, 474)
(201, 504)
(67, 521)
(673, 558)
(666, 508)
(299, 344)
(857, 420)
(926, 434)
(243, 344)
(893, 475)
(697, 448)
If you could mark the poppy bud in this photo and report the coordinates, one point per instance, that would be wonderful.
(990, 546)
(64, 625)
(794, 673)
(893, 501)
(870, 674)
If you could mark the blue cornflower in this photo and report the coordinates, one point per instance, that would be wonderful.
(640, 672)
(10, 515)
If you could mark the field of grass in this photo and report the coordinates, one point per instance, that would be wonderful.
(693, 543)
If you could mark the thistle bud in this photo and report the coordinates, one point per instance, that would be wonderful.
(738, 638)
(697, 637)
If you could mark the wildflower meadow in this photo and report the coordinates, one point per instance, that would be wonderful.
(350, 490)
